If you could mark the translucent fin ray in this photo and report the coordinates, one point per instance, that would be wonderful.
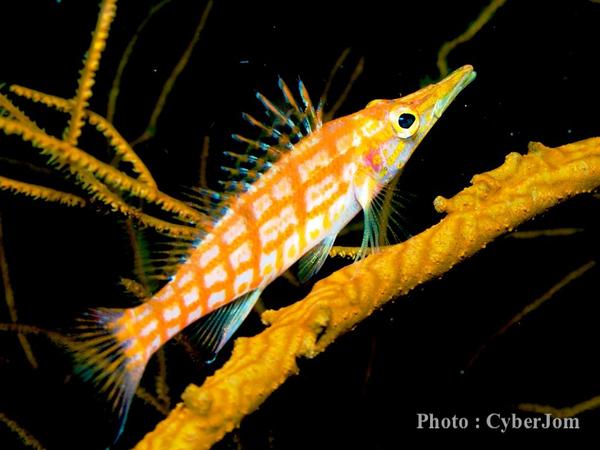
(291, 121)
(312, 261)
(101, 359)
(370, 240)
(161, 256)
(284, 118)
(213, 332)
(371, 222)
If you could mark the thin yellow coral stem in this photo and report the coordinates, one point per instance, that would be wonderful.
(98, 191)
(134, 288)
(40, 192)
(116, 85)
(90, 66)
(9, 298)
(483, 18)
(27, 165)
(24, 435)
(122, 148)
(86, 178)
(160, 381)
(151, 400)
(15, 112)
(334, 70)
(569, 278)
(137, 259)
(344, 252)
(104, 195)
(150, 130)
(289, 276)
(54, 336)
(497, 202)
(358, 70)
(171, 229)
(204, 161)
(568, 411)
(76, 159)
(534, 305)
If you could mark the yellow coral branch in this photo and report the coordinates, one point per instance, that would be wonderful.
(15, 112)
(84, 166)
(24, 435)
(90, 66)
(496, 202)
(40, 192)
(568, 411)
(76, 159)
(117, 142)
(344, 252)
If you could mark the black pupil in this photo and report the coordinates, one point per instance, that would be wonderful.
(406, 120)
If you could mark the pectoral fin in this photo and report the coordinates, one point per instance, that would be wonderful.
(365, 192)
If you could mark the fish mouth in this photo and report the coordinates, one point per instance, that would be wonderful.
(453, 84)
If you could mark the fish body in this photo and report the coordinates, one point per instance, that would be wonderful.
(292, 211)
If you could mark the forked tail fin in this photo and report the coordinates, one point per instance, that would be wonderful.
(102, 357)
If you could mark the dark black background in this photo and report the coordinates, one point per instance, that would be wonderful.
(537, 81)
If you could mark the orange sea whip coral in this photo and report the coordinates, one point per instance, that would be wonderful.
(496, 202)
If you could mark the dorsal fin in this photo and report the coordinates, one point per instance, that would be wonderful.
(160, 254)
(160, 257)
(290, 121)
(206, 201)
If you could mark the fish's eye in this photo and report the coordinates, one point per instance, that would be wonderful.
(405, 122)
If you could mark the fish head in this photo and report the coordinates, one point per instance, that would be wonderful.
(392, 129)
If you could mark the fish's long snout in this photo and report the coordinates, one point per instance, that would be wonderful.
(451, 86)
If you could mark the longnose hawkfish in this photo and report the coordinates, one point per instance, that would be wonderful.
(293, 197)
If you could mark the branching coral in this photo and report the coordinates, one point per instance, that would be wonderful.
(497, 202)
(103, 182)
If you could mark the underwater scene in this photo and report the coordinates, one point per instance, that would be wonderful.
(298, 225)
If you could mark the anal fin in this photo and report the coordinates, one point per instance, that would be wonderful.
(312, 261)
(218, 327)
